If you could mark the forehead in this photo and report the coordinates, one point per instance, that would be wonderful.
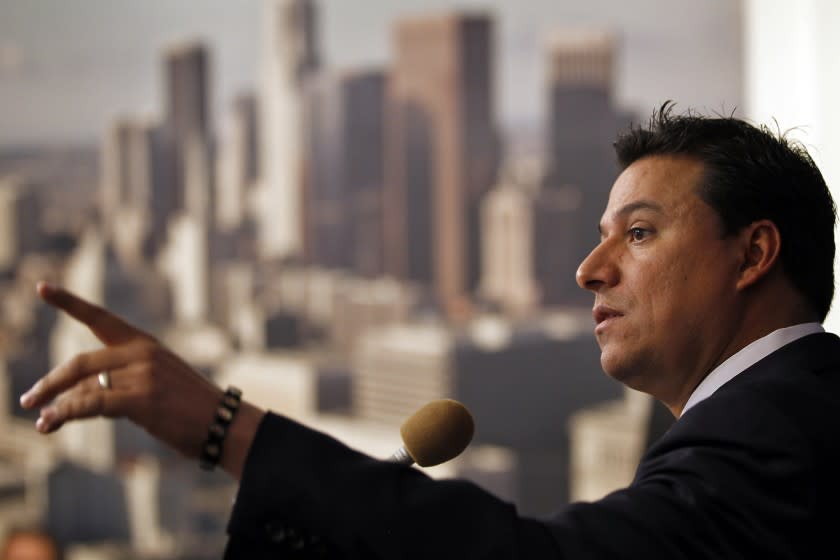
(667, 181)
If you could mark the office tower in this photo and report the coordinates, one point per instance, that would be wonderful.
(508, 249)
(441, 152)
(237, 165)
(185, 262)
(199, 178)
(530, 242)
(142, 489)
(558, 221)
(289, 56)
(187, 92)
(187, 120)
(583, 122)
(138, 195)
(70, 517)
(609, 439)
(20, 221)
(400, 368)
(342, 215)
(362, 305)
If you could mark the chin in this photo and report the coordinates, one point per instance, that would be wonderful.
(622, 370)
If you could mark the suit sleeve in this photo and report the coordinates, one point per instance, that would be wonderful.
(742, 494)
(348, 505)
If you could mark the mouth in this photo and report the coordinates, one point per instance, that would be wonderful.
(604, 316)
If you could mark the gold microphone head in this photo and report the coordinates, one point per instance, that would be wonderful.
(437, 432)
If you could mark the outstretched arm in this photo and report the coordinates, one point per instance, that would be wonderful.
(150, 385)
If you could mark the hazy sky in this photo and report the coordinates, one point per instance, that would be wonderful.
(68, 67)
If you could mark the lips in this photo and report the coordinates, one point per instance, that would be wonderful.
(604, 314)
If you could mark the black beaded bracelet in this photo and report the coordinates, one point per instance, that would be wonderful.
(211, 452)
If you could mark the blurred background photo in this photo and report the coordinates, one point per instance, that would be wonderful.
(348, 209)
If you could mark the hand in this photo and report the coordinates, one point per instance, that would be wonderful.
(150, 385)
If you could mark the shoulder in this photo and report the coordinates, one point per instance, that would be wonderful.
(795, 390)
(759, 452)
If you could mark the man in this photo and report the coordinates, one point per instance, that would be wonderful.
(713, 273)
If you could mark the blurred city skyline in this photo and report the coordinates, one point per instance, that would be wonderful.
(356, 242)
(346, 209)
(68, 69)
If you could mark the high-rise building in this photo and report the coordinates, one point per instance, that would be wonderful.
(508, 249)
(344, 171)
(400, 368)
(137, 187)
(187, 123)
(583, 122)
(187, 92)
(20, 221)
(185, 262)
(558, 222)
(441, 153)
(530, 243)
(289, 56)
(237, 165)
(363, 305)
(609, 439)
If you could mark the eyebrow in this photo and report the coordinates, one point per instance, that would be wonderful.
(633, 206)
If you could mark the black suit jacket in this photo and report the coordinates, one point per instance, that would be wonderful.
(749, 472)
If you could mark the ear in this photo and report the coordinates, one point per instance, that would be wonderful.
(762, 244)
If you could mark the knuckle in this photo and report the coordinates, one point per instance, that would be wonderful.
(77, 362)
(146, 369)
(147, 351)
(76, 407)
(63, 409)
(85, 406)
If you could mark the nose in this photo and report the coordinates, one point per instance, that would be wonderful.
(598, 269)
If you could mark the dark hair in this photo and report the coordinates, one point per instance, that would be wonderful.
(751, 173)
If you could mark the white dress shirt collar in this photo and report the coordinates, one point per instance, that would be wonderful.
(746, 357)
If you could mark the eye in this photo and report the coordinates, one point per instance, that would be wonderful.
(638, 234)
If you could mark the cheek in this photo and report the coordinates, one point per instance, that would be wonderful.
(686, 298)
(657, 291)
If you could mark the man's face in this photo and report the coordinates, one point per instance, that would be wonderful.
(664, 280)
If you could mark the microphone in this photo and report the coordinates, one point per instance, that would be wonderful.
(436, 433)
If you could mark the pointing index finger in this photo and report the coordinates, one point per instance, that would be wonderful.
(107, 327)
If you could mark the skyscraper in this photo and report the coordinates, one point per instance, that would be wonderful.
(138, 194)
(20, 221)
(289, 57)
(187, 118)
(583, 122)
(237, 164)
(508, 249)
(344, 171)
(187, 93)
(530, 242)
(441, 152)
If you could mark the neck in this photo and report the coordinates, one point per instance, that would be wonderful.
(758, 318)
